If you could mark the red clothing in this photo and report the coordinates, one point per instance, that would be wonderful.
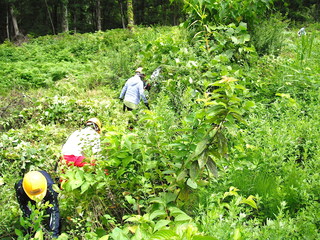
(76, 160)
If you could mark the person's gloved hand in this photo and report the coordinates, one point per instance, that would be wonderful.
(147, 105)
(121, 99)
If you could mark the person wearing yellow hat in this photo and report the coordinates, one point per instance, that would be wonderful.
(36, 186)
(133, 91)
(82, 143)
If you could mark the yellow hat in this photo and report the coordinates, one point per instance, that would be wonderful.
(35, 185)
(97, 122)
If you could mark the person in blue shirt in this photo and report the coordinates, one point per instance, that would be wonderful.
(133, 91)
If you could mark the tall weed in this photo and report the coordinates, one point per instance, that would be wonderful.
(268, 35)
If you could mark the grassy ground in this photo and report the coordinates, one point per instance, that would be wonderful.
(59, 82)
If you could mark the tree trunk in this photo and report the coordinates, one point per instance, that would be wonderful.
(142, 19)
(74, 14)
(122, 15)
(75, 22)
(49, 14)
(7, 25)
(99, 27)
(317, 9)
(130, 15)
(65, 22)
(14, 22)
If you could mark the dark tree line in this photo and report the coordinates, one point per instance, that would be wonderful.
(19, 18)
(299, 10)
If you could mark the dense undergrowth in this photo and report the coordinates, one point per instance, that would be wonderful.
(229, 149)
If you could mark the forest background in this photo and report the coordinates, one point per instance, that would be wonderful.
(229, 149)
(20, 18)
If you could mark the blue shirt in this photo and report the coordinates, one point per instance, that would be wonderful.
(132, 91)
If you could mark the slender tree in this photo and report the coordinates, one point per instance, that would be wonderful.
(122, 14)
(7, 24)
(49, 14)
(98, 12)
(14, 22)
(130, 14)
(64, 16)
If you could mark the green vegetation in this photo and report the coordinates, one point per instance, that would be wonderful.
(227, 151)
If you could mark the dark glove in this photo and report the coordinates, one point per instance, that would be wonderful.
(120, 99)
(147, 105)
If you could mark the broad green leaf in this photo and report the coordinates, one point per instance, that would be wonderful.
(235, 40)
(89, 177)
(75, 183)
(140, 233)
(194, 170)
(174, 211)
(157, 213)
(1, 181)
(235, 110)
(101, 232)
(100, 185)
(184, 194)
(121, 171)
(130, 199)
(238, 117)
(250, 201)
(214, 110)
(242, 26)
(106, 237)
(64, 236)
(222, 143)
(244, 38)
(228, 53)
(164, 235)
(122, 154)
(85, 187)
(160, 224)
(18, 232)
(56, 188)
(204, 238)
(283, 95)
(232, 192)
(202, 160)
(211, 165)
(201, 146)
(213, 132)
(248, 104)
(237, 234)
(157, 200)
(192, 183)
(169, 197)
(200, 114)
(213, 116)
(39, 235)
(133, 219)
(182, 175)
(118, 234)
(79, 175)
(127, 160)
(182, 217)
(168, 172)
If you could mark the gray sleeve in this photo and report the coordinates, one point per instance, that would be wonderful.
(123, 91)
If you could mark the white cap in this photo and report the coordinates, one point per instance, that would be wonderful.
(139, 69)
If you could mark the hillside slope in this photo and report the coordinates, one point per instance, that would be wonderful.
(228, 149)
